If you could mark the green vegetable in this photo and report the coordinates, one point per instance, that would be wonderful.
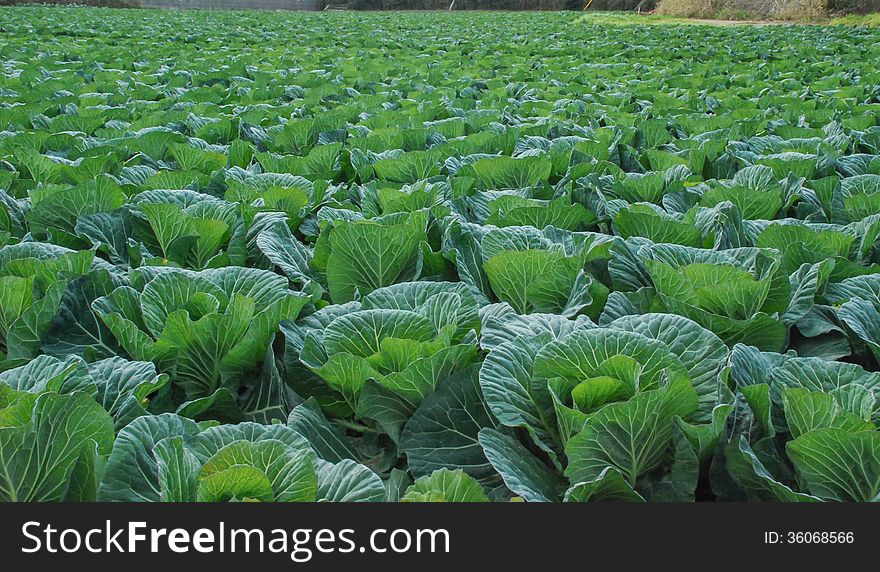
(403, 259)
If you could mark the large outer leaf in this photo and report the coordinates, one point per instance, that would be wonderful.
(132, 473)
(807, 411)
(580, 354)
(291, 256)
(502, 324)
(45, 373)
(205, 444)
(366, 255)
(123, 387)
(289, 469)
(347, 481)
(700, 351)
(38, 456)
(510, 173)
(522, 473)
(751, 474)
(61, 209)
(632, 436)
(443, 432)
(537, 281)
(515, 396)
(864, 320)
(608, 486)
(361, 333)
(26, 333)
(444, 303)
(838, 465)
(328, 441)
(178, 470)
(270, 399)
(444, 485)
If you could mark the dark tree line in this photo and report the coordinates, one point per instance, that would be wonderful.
(854, 6)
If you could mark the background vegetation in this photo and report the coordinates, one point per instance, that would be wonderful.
(802, 10)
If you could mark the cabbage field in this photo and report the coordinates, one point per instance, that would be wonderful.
(436, 257)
